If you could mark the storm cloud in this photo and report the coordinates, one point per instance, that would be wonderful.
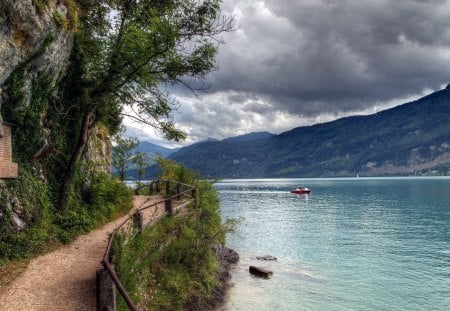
(291, 63)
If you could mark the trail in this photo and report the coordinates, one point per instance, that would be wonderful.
(64, 279)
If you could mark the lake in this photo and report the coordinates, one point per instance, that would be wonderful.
(352, 244)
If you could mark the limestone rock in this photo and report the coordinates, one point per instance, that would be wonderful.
(23, 32)
(99, 149)
(31, 39)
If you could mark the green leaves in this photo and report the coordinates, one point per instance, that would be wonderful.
(122, 153)
(129, 49)
(171, 265)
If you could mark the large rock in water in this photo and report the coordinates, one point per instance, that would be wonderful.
(266, 257)
(261, 272)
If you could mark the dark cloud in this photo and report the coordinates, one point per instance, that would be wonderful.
(298, 62)
(307, 57)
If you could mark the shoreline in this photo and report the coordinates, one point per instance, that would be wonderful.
(227, 257)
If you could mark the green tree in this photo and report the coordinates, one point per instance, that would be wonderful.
(126, 51)
(141, 160)
(122, 154)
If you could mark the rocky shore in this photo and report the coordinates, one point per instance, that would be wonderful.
(226, 258)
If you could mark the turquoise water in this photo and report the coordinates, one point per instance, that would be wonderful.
(352, 244)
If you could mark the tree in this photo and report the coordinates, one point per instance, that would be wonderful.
(141, 160)
(122, 154)
(126, 50)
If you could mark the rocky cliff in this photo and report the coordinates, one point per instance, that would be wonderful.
(31, 37)
(36, 48)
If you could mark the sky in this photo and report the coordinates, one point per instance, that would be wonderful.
(292, 63)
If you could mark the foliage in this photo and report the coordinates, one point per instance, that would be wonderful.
(172, 170)
(124, 53)
(40, 5)
(122, 154)
(72, 15)
(104, 199)
(141, 160)
(115, 63)
(171, 266)
(125, 57)
(36, 206)
(60, 20)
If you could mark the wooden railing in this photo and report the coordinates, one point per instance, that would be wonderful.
(177, 197)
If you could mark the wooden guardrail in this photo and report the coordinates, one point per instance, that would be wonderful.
(178, 196)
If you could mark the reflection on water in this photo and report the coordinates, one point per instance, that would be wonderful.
(352, 244)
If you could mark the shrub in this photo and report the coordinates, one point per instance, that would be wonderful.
(171, 265)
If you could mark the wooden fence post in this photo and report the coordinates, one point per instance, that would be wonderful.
(158, 187)
(170, 207)
(178, 192)
(194, 195)
(150, 188)
(138, 220)
(168, 187)
(106, 291)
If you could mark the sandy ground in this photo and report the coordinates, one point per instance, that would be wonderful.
(65, 279)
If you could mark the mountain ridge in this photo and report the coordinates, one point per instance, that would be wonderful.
(405, 139)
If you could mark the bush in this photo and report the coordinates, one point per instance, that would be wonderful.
(104, 199)
(171, 265)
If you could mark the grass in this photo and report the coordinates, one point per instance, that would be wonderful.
(11, 270)
(171, 265)
(105, 200)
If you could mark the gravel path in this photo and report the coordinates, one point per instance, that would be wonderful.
(64, 279)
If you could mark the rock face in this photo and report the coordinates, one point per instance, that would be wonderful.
(10, 208)
(99, 150)
(23, 32)
(32, 42)
(30, 36)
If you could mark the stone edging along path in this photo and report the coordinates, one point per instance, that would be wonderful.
(65, 278)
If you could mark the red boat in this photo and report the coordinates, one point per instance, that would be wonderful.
(301, 190)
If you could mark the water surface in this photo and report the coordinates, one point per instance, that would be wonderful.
(352, 244)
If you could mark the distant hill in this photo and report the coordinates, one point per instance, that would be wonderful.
(411, 138)
(153, 149)
(249, 137)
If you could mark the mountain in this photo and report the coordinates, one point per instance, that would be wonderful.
(153, 149)
(411, 138)
(250, 137)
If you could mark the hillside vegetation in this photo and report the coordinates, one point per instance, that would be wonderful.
(172, 265)
(408, 139)
(70, 71)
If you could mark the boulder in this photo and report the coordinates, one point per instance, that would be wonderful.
(230, 255)
(261, 272)
(226, 254)
(266, 257)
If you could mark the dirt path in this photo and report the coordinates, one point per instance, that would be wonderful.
(64, 279)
